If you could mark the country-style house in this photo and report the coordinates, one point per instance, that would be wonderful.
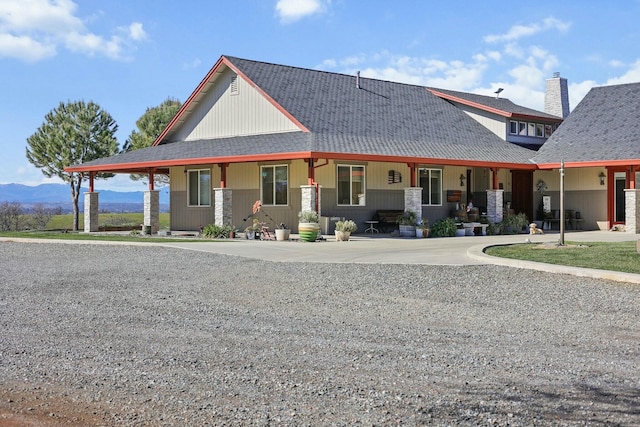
(347, 146)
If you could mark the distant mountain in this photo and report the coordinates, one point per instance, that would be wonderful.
(59, 195)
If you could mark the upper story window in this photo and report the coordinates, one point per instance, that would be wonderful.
(274, 183)
(538, 130)
(199, 187)
(351, 185)
(431, 182)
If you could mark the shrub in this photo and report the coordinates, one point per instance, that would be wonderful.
(308, 216)
(445, 227)
(348, 226)
(213, 231)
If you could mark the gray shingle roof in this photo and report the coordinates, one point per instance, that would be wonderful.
(503, 104)
(605, 125)
(380, 118)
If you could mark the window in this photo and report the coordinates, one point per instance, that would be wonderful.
(532, 129)
(199, 187)
(540, 130)
(431, 182)
(522, 129)
(513, 127)
(351, 185)
(275, 184)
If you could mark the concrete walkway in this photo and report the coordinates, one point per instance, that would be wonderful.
(441, 251)
(382, 249)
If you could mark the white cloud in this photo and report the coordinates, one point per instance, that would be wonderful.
(519, 31)
(294, 10)
(33, 30)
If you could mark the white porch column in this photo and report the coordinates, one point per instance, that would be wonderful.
(223, 202)
(152, 210)
(413, 200)
(495, 201)
(632, 210)
(91, 212)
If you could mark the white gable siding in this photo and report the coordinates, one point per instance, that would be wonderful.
(223, 114)
(496, 124)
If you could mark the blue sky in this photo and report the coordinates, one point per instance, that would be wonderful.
(129, 55)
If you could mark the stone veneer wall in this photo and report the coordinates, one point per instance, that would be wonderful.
(308, 202)
(152, 210)
(632, 210)
(413, 200)
(495, 203)
(91, 212)
(223, 202)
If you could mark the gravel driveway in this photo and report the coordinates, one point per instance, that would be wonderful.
(154, 336)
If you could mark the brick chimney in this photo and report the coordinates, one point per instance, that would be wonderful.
(556, 96)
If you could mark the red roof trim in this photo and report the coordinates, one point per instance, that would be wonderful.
(293, 156)
(592, 164)
(470, 103)
(492, 110)
(205, 82)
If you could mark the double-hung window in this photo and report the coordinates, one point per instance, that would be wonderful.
(431, 182)
(274, 184)
(351, 185)
(199, 187)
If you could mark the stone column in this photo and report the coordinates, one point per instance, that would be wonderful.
(152, 211)
(413, 200)
(309, 198)
(91, 212)
(632, 210)
(495, 201)
(223, 202)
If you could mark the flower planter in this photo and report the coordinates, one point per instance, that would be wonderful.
(342, 236)
(282, 234)
(407, 230)
(308, 231)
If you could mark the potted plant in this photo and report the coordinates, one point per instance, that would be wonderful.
(253, 231)
(308, 226)
(282, 232)
(445, 227)
(407, 224)
(422, 228)
(344, 229)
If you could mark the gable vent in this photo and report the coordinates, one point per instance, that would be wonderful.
(234, 84)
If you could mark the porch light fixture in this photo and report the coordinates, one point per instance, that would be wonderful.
(462, 178)
(602, 176)
(185, 171)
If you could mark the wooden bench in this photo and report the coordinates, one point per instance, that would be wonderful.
(387, 219)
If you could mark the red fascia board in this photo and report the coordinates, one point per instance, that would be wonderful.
(145, 166)
(591, 164)
(469, 103)
(493, 110)
(222, 61)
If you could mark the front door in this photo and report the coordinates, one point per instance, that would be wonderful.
(522, 192)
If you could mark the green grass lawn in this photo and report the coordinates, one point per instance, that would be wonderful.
(619, 256)
(65, 222)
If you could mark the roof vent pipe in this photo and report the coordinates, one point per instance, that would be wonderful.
(358, 80)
